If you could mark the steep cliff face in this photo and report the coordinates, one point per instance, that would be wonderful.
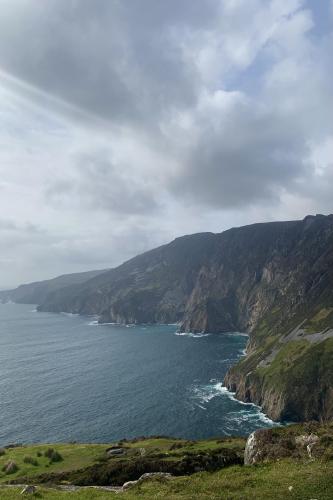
(274, 281)
(151, 288)
(208, 282)
(296, 385)
(281, 266)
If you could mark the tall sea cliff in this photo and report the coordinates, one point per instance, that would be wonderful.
(272, 280)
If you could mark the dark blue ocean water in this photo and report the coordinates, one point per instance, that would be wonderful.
(64, 378)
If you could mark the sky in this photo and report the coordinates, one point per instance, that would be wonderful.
(127, 123)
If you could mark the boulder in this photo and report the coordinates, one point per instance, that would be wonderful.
(252, 452)
(146, 477)
(115, 451)
(29, 489)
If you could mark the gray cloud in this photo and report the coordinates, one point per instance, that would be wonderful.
(245, 160)
(121, 61)
(9, 226)
(98, 183)
(126, 123)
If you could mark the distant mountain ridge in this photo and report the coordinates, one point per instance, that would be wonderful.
(272, 280)
(35, 293)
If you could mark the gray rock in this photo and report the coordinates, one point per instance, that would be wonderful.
(252, 452)
(115, 451)
(145, 477)
(29, 490)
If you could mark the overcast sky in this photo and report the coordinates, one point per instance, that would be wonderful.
(126, 123)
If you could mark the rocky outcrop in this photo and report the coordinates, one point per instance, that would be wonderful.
(312, 441)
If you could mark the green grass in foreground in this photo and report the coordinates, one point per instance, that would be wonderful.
(309, 480)
(75, 456)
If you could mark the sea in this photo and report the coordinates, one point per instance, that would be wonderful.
(66, 378)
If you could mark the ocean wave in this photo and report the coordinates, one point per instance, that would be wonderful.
(250, 417)
(206, 393)
(236, 334)
(253, 412)
(192, 334)
(96, 323)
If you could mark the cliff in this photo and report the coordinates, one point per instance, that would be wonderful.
(272, 280)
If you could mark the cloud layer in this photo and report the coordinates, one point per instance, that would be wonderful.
(124, 124)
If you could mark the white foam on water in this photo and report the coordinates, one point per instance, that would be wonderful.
(236, 334)
(192, 334)
(205, 393)
(93, 323)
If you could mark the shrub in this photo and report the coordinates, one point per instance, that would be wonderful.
(10, 467)
(30, 460)
(326, 439)
(48, 453)
(176, 446)
(2, 452)
(39, 454)
(55, 457)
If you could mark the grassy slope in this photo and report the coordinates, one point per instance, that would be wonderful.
(309, 480)
(79, 457)
(74, 457)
